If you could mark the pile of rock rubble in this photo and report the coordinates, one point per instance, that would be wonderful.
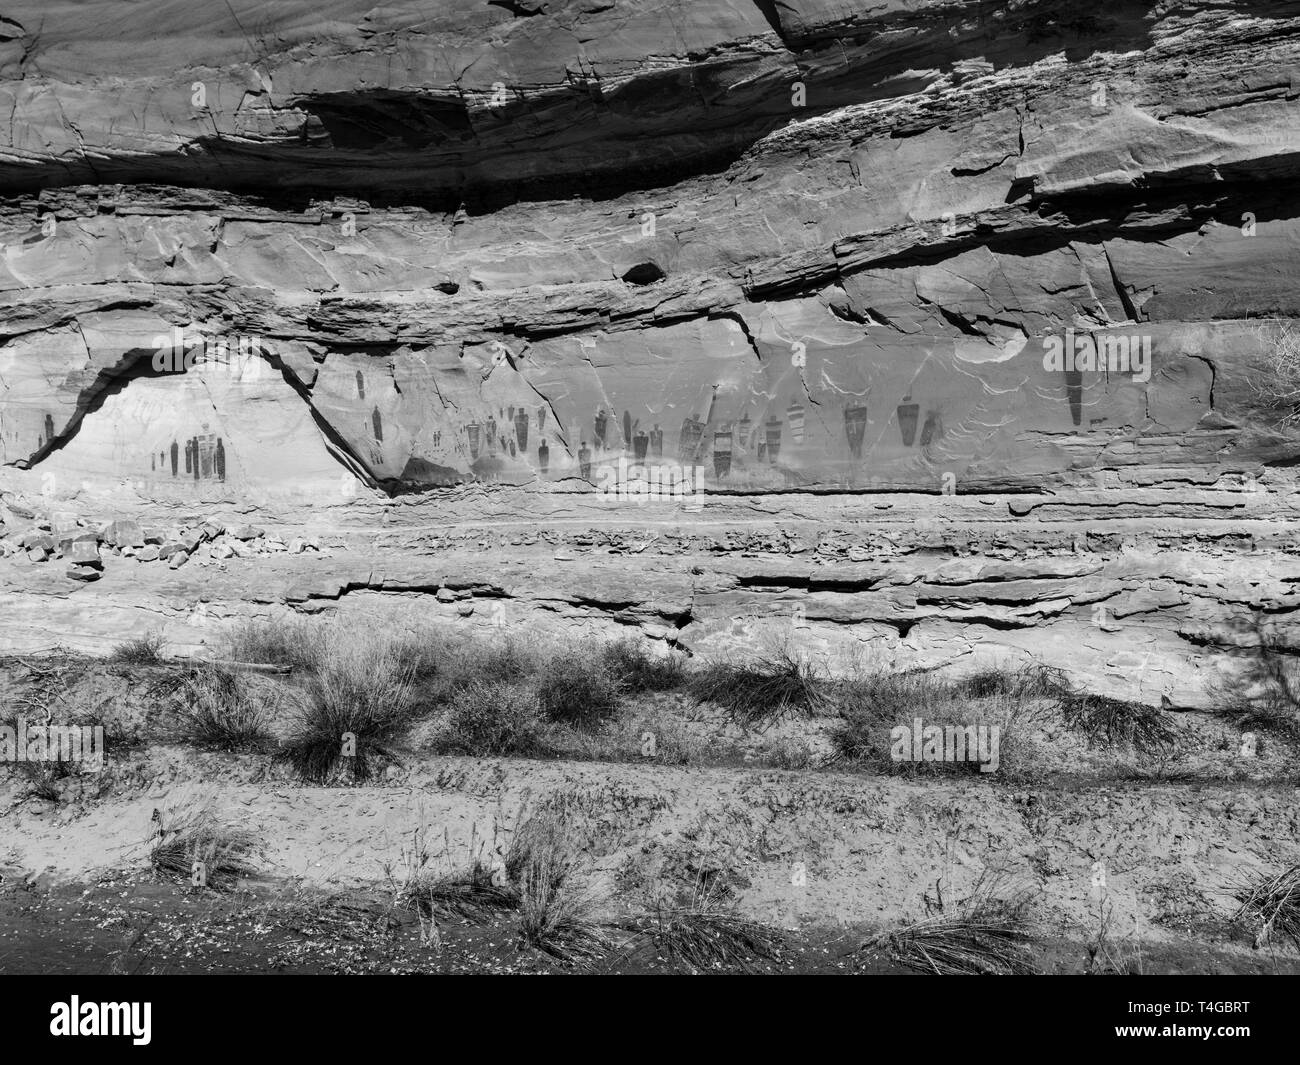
(84, 545)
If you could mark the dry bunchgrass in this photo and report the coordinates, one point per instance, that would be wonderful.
(873, 705)
(140, 651)
(286, 641)
(1274, 381)
(557, 913)
(984, 934)
(1273, 903)
(635, 669)
(705, 931)
(195, 831)
(1116, 722)
(493, 717)
(216, 707)
(764, 690)
(354, 708)
(577, 689)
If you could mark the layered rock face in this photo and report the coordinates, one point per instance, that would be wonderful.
(933, 329)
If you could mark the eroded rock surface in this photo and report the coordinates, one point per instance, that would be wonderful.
(438, 269)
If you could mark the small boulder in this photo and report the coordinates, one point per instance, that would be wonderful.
(83, 573)
(38, 554)
(125, 533)
(178, 560)
(85, 553)
(170, 548)
(245, 532)
(148, 553)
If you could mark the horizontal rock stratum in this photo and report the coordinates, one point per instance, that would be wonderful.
(977, 303)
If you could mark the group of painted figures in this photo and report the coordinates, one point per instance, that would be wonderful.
(205, 458)
(699, 437)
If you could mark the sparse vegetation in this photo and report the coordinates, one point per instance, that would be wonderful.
(140, 651)
(215, 707)
(354, 707)
(1147, 729)
(287, 641)
(556, 913)
(764, 690)
(196, 832)
(577, 690)
(493, 717)
(1275, 380)
(1273, 905)
(984, 933)
(874, 704)
(637, 670)
(705, 931)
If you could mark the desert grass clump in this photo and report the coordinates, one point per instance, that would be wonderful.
(556, 913)
(875, 706)
(474, 892)
(1033, 681)
(492, 717)
(216, 707)
(706, 932)
(288, 641)
(353, 708)
(1275, 381)
(1273, 903)
(983, 934)
(140, 651)
(577, 689)
(193, 841)
(1116, 722)
(765, 690)
(637, 670)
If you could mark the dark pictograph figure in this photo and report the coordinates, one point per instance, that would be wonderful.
(197, 471)
(49, 429)
(584, 461)
(544, 456)
(189, 455)
(933, 428)
(627, 430)
(541, 419)
(378, 422)
(794, 416)
(153, 462)
(907, 414)
(361, 385)
(437, 438)
(689, 442)
(722, 443)
(855, 427)
(175, 452)
(640, 445)
(657, 441)
(512, 449)
(474, 430)
(221, 460)
(521, 428)
(1074, 393)
(743, 428)
(602, 421)
(773, 433)
(492, 435)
